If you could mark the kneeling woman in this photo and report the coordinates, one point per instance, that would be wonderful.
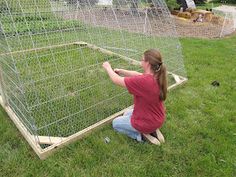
(149, 90)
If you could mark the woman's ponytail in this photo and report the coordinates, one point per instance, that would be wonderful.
(153, 56)
(162, 79)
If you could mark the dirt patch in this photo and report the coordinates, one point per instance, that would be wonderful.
(187, 28)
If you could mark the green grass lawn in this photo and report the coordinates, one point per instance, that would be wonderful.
(212, 4)
(200, 130)
(208, 5)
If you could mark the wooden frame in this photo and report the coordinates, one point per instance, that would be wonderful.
(58, 142)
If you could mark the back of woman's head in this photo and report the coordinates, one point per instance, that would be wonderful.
(154, 58)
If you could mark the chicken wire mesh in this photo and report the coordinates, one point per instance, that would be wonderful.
(57, 87)
(227, 19)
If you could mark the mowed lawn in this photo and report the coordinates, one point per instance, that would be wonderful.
(200, 130)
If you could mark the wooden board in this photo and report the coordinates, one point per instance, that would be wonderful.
(35, 49)
(49, 140)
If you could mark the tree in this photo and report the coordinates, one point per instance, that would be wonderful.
(171, 4)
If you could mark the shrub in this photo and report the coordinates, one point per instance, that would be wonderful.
(171, 4)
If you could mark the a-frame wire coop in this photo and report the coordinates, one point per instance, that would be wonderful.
(227, 18)
(52, 83)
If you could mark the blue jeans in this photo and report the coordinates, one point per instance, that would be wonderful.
(123, 125)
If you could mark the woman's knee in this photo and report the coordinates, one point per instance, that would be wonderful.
(115, 123)
(118, 122)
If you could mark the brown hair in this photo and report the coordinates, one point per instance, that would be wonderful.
(153, 56)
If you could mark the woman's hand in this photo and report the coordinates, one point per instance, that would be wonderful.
(117, 71)
(116, 79)
(106, 65)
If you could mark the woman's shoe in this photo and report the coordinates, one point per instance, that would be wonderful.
(160, 137)
(151, 139)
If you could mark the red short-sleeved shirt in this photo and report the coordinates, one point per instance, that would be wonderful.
(149, 111)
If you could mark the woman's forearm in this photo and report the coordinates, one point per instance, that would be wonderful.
(129, 73)
(116, 79)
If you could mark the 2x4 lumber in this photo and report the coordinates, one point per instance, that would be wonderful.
(177, 78)
(177, 83)
(49, 140)
(35, 49)
(108, 52)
